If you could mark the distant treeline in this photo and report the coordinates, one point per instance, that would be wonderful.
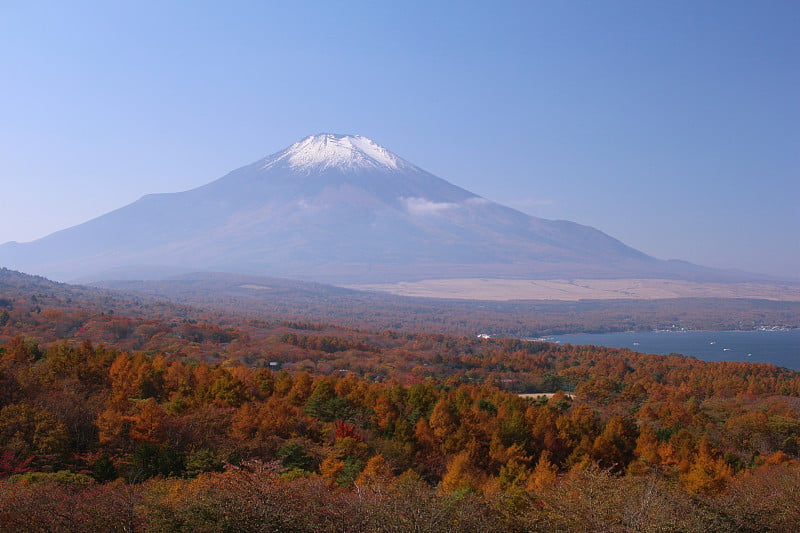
(304, 302)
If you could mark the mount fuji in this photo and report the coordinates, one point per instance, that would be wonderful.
(336, 209)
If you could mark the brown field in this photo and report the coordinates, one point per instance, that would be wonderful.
(584, 289)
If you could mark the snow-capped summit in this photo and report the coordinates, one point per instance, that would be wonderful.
(345, 152)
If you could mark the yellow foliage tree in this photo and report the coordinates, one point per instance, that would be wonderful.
(544, 475)
(376, 471)
(330, 468)
(708, 474)
(646, 452)
(462, 475)
(148, 424)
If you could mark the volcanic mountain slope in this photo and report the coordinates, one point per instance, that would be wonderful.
(332, 208)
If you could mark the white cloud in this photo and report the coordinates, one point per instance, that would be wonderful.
(477, 200)
(423, 206)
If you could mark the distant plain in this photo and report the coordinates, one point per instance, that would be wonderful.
(584, 289)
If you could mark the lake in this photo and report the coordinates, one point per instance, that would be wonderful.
(781, 348)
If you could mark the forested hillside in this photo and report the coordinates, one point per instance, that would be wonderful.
(159, 417)
(282, 299)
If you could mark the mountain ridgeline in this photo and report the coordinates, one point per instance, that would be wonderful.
(336, 209)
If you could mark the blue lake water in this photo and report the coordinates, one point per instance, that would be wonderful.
(780, 348)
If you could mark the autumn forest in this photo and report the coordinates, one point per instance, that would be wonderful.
(123, 412)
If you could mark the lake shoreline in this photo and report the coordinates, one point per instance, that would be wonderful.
(773, 346)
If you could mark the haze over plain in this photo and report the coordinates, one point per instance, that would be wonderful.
(673, 128)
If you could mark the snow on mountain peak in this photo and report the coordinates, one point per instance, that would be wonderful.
(326, 150)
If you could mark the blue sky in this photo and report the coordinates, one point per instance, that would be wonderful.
(673, 126)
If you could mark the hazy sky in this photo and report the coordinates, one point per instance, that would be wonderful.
(671, 125)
